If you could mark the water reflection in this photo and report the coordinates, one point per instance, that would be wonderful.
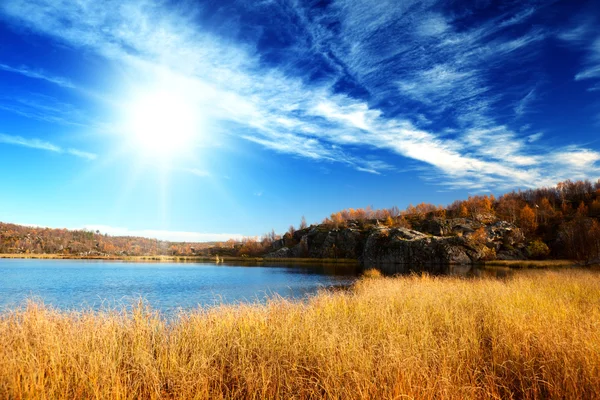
(168, 287)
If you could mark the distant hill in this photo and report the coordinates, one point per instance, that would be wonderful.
(18, 239)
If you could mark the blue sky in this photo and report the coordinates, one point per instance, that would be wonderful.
(209, 120)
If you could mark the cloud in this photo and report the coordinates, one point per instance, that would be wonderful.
(384, 72)
(535, 137)
(82, 154)
(524, 103)
(195, 171)
(588, 73)
(39, 144)
(44, 108)
(518, 18)
(31, 143)
(172, 236)
(584, 34)
(30, 73)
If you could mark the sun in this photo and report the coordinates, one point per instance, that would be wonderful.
(162, 123)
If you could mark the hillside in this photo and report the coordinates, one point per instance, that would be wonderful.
(18, 239)
(555, 222)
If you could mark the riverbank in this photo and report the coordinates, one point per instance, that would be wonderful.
(534, 335)
(226, 259)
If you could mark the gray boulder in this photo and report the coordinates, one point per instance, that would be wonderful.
(404, 246)
(283, 252)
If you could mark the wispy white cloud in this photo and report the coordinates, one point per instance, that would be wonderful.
(443, 71)
(535, 137)
(38, 74)
(518, 18)
(31, 143)
(196, 171)
(524, 103)
(584, 34)
(588, 73)
(82, 154)
(43, 108)
(39, 144)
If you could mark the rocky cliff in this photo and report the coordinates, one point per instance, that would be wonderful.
(433, 242)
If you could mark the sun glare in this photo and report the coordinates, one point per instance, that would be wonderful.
(162, 123)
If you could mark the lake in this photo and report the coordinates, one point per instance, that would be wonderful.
(168, 287)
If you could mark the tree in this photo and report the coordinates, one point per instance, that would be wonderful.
(337, 220)
(595, 208)
(303, 223)
(463, 212)
(480, 207)
(582, 210)
(527, 220)
(508, 207)
(580, 238)
(545, 211)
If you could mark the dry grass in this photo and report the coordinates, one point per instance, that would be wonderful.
(534, 336)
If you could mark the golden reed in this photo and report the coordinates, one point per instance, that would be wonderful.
(534, 336)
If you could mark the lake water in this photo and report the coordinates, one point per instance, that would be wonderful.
(76, 284)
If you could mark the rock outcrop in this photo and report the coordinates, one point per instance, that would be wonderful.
(404, 246)
(434, 242)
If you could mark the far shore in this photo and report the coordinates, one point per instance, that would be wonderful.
(229, 259)
(221, 259)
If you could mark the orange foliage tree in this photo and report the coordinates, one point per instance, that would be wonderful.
(527, 220)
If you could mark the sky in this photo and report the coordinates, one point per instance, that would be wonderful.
(209, 120)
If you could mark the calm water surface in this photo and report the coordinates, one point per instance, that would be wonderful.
(76, 284)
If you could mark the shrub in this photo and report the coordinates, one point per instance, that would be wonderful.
(538, 249)
(372, 273)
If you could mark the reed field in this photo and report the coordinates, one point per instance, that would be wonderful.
(535, 335)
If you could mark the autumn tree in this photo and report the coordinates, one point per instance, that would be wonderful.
(336, 220)
(545, 211)
(508, 208)
(527, 220)
(580, 238)
(302, 223)
(582, 210)
(595, 208)
(479, 236)
(479, 208)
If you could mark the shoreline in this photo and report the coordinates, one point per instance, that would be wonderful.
(212, 259)
(515, 264)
